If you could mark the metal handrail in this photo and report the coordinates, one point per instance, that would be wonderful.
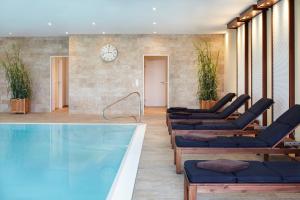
(119, 100)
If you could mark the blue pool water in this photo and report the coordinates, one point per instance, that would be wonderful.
(60, 161)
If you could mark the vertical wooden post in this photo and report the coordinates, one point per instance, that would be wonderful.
(292, 56)
(264, 63)
(292, 52)
(247, 62)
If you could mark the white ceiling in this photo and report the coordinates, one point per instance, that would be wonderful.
(31, 17)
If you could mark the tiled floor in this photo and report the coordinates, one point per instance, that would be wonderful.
(156, 178)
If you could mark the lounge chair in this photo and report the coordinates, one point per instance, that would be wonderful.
(219, 104)
(240, 126)
(236, 104)
(225, 114)
(277, 176)
(268, 141)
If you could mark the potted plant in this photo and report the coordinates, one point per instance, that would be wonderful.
(19, 84)
(207, 76)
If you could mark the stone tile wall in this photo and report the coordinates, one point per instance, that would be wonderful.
(36, 54)
(94, 83)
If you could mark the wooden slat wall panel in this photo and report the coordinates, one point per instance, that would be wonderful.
(297, 57)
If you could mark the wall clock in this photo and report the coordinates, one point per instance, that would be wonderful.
(109, 53)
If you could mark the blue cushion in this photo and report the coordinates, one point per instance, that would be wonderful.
(181, 142)
(257, 173)
(248, 142)
(197, 111)
(197, 175)
(215, 126)
(255, 111)
(176, 109)
(260, 106)
(222, 102)
(291, 117)
(241, 100)
(289, 171)
(244, 120)
(222, 142)
(177, 126)
(274, 133)
(205, 116)
(195, 116)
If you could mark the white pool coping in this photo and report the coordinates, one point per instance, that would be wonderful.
(123, 185)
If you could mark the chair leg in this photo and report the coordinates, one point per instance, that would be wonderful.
(173, 140)
(167, 122)
(178, 161)
(174, 157)
(185, 192)
(192, 192)
(266, 157)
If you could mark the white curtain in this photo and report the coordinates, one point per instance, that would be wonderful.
(281, 57)
(241, 62)
(257, 59)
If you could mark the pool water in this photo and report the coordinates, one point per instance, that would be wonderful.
(60, 161)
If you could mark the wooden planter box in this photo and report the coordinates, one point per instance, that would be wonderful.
(20, 105)
(207, 104)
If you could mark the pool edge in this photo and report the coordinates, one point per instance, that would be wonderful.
(123, 185)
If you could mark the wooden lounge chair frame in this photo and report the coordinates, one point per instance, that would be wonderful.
(277, 148)
(191, 189)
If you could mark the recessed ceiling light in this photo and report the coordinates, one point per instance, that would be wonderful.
(154, 9)
(49, 23)
(154, 32)
(67, 33)
(154, 23)
(94, 23)
(10, 33)
(103, 32)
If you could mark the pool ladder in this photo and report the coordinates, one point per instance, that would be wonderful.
(137, 119)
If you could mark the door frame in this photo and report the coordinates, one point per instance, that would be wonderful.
(168, 76)
(50, 67)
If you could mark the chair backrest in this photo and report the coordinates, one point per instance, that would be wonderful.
(234, 106)
(281, 127)
(252, 113)
(222, 102)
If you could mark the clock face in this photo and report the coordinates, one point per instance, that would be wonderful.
(109, 53)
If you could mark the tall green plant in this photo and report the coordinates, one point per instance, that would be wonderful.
(19, 85)
(207, 72)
